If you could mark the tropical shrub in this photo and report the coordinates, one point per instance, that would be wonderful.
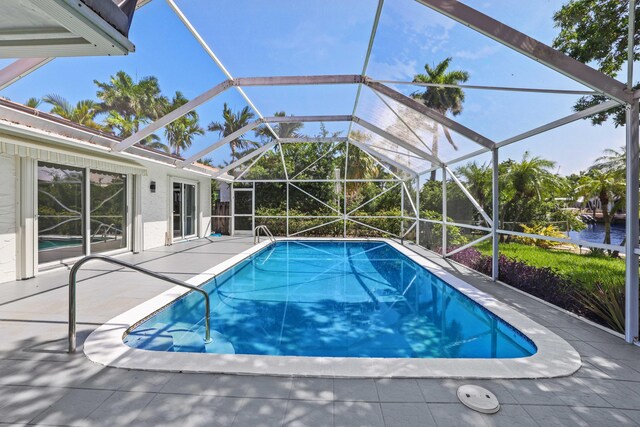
(541, 230)
(605, 304)
(543, 282)
(431, 233)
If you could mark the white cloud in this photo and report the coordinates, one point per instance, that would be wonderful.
(481, 53)
(396, 70)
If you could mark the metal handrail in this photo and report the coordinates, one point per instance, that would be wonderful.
(267, 232)
(72, 293)
(104, 234)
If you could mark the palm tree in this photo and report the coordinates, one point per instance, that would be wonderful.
(84, 112)
(609, 188)
(231, 123)
(478, 181)
(128, 103)
(33, 102)
(525, 185)
(442, 99)
(283, 130)
(612, 160)
(181, 132)
(359, 164)
(532, 176)
(154, 141)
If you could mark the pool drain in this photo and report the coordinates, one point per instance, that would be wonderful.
(478, 398)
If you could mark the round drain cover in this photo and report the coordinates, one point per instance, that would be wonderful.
(478, 398)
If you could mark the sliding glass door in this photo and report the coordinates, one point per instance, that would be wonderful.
(184, 211)
(108, 216)
(60, 212)
(80, 211)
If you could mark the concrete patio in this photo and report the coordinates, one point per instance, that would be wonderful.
(41, 384)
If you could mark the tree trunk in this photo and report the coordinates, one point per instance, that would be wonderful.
(434, 151)
(604, 200)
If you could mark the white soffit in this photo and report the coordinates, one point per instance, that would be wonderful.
(53, 28)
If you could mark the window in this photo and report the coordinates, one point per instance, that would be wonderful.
(108, 216)
(63, 231)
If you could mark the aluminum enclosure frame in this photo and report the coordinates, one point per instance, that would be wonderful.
(617, 92)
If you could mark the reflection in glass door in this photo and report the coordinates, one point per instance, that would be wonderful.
(63, 232)
(184, 211)
(177, 210)
(60, 212)
(108, 215)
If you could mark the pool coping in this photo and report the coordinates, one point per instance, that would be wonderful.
(554, 358)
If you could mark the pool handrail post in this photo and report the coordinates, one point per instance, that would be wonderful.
(495, 202)
(73, 283)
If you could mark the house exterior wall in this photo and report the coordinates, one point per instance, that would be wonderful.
(8, 221)
(155, 208)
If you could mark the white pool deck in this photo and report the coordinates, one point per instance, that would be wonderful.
(41, 384)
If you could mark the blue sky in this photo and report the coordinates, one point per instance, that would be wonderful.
(303, 37)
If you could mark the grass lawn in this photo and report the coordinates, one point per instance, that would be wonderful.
(586, 270)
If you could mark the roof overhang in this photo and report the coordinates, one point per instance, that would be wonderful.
(30, 123)
(53, 28)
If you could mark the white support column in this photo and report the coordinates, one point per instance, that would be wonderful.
(444, 211)
(253, 207)
(232, 209)
(633, 165)
(86, 211)
(344, 188)
(631, 260)
(137, 234)
(287, 184)
(495, 201)
(417, 209)
(402, 214)
(27, 198)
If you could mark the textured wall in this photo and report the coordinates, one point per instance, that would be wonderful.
(7, 219)
(156, 209)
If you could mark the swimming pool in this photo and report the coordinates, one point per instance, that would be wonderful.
(332, 299)
(552, 356)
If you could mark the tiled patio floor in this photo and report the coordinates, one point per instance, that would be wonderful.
(41, 384)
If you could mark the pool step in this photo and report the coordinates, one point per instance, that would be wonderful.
(220, 344)
(187, 341)
(192, 342)
(151, 339)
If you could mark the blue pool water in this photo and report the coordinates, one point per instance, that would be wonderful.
(341, 299)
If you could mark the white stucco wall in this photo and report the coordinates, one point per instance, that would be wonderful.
(156, 207)
(7, 218)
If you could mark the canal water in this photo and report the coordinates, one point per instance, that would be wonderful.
(595, 233)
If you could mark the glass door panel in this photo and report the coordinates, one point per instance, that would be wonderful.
(60, 202)
(189, 210)
(177, 210)
(108, 216)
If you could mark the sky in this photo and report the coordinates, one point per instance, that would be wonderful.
(304, 37)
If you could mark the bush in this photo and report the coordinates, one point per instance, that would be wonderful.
(431, 234)
(605, 304)
(541, 230)
(541, 282)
